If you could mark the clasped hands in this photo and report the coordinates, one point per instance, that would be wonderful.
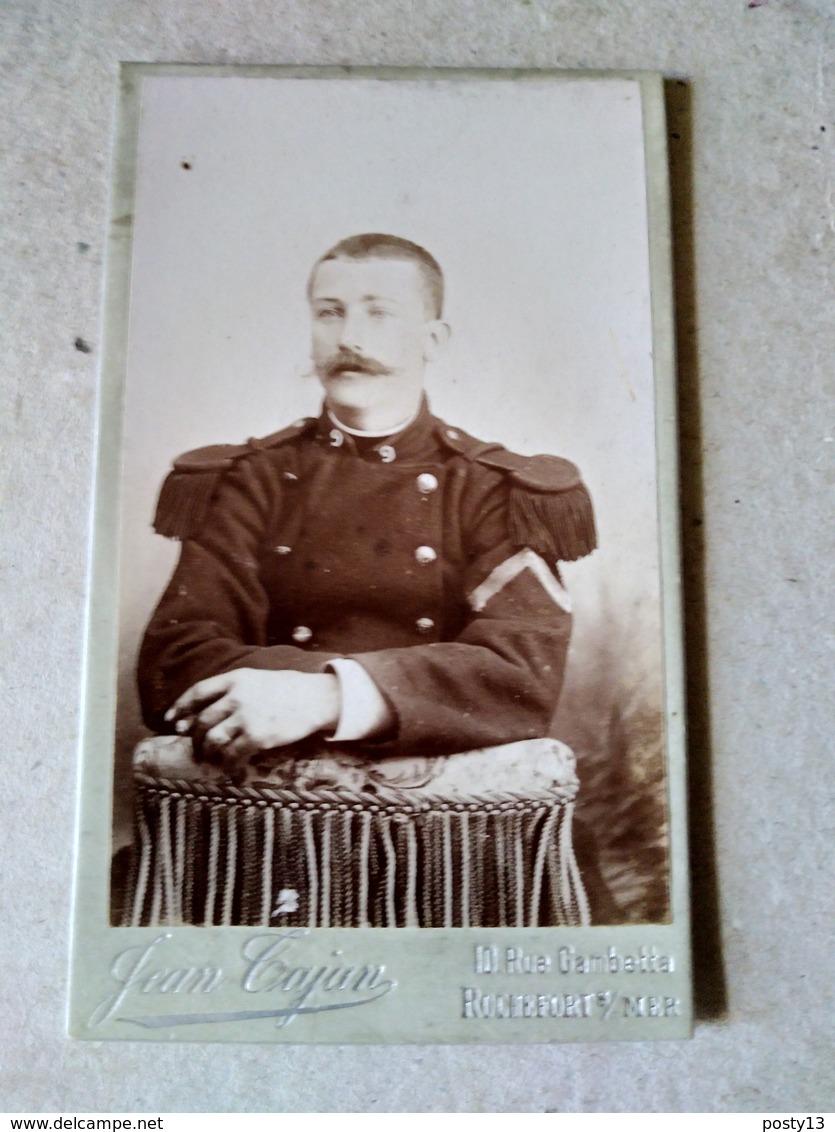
(233, 716)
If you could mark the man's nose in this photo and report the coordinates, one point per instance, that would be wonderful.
(351, 336)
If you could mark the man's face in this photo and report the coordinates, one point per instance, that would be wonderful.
(373, 333)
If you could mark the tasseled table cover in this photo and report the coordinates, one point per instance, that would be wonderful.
(476, 839)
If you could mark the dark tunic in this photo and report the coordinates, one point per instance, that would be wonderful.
(310, 546)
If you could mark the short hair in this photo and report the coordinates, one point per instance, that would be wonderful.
(379, 245)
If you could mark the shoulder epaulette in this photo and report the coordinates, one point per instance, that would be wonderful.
(550, 509)
(188, 488)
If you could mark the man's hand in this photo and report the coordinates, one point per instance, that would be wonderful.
(238, 714)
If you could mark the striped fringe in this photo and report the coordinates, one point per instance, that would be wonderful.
(327, 860)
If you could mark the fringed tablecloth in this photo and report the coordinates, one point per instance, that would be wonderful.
(481, 838)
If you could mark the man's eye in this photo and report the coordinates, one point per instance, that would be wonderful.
(327, 314)
(379, 312)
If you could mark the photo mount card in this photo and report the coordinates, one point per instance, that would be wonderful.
(384, 715)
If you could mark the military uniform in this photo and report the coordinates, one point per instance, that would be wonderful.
(427, 557)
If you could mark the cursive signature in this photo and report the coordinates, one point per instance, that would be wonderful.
(269, 968)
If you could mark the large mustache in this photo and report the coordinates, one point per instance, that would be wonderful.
(347, 361)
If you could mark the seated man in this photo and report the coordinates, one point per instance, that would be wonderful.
(370, 576)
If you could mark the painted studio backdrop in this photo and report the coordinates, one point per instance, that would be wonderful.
(531, 196)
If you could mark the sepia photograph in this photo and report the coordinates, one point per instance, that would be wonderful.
(389, 643)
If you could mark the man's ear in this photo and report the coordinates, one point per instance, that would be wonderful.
(437, 336)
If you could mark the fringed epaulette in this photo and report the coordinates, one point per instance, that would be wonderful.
(550, 508)
(188, 488)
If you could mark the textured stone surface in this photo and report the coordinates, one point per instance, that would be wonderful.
(756, 130)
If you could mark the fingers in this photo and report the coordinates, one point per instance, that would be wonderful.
(220, 737)
(228, 744)
(209, 712)
(197, 726)
(196, 697)
(240, 749)
(200, 725)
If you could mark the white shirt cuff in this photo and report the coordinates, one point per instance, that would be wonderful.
(363, 710)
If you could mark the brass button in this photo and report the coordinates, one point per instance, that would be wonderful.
(387, 453)
(283, 549)
(426, 483)
(301, 634)
(336, 438)
(289, 475)
(452, 433)
(425, 624)
(425, 555)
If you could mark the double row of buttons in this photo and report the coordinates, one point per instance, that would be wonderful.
(425, 555)
(426, 484)
(303, 634)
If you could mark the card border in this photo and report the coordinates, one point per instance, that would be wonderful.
(91, 887)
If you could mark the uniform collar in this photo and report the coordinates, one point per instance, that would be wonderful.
(415, 441)
(383, 434)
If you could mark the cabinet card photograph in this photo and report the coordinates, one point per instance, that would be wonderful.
(384, 714)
